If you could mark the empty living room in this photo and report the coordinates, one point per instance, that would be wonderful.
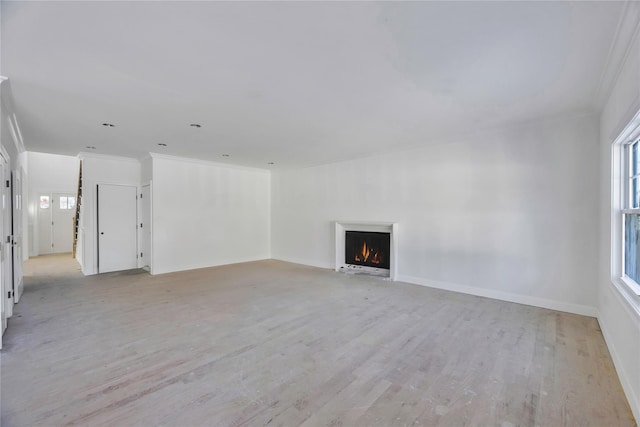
(321, 213)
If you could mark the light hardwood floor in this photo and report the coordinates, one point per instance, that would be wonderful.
(278, 344)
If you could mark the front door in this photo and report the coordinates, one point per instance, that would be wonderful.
(45, 244)
(117, 218)
(62, 210)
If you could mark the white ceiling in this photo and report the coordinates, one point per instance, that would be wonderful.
(295, 83)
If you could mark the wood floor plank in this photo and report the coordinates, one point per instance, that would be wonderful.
(276, 344)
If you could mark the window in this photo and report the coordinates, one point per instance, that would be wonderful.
(44, 202)
(67, 202)
(631, 210)
(625, 219)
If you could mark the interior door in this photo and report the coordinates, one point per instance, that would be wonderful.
(18, 284)
(44, 224)
(145, 226)
(7, 238)
(4, 301)
(62, 210)
(117, 218)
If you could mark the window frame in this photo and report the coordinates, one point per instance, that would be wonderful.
(621, 204)
(627, 205)
(68, 205)
(40, 200)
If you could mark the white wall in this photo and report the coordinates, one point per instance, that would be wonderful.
(504, 214)
(146, 170)
(48, 173)
(619, 317)
(207, 214)
(97, 169)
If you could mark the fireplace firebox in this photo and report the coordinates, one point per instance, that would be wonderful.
(368, 248)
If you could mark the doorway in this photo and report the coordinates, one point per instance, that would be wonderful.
(16, 231)
(117, 219)
(6, 300)
(144, 207)
(55, 222)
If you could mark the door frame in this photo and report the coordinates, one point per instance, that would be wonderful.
(5, 303)
(17, 231)
(35, 239)
(97, 222)
(6, 243)
(56, 212)
(149, 201)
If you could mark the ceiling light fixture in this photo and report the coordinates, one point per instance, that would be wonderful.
(195, 125)
(108, 125)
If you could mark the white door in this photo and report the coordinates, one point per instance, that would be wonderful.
(44, 224)
(117, 217)
(63, 207)
(18, 284)
(145, 227)
(4, 301)
(7, 238)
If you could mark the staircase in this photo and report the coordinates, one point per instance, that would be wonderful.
(76, 217)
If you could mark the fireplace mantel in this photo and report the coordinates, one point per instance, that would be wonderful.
(375, 226)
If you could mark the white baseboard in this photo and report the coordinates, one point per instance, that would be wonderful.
(304, 262)
(584, 310)
(632, 398)
(503, 296)
(219, 263)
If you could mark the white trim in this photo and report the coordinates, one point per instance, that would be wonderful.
(305, 262)
(627, 290)
(622, 374)
(150, 225)
(206, 265)
(621, 131)
(84, 155)
(14, 128)
(618, 364)
(626, 32)
(16, 134)
(584, 310)
(206, 162)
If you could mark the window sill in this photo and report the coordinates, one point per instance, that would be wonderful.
(630, 291)
(633, 286)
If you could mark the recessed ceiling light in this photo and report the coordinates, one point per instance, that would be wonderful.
(162, 144)
(271, 163)
(195, 125)
(90, 147)
(225, 155)
(108, 125)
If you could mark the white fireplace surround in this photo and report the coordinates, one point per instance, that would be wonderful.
(371, 226)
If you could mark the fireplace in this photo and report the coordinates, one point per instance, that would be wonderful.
(364, 247)
(370, 249)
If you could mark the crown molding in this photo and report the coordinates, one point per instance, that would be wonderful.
(623, 40)
(86, 155)
(205, 162)
(12, 119)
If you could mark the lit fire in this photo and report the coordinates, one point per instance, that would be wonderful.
(366, 253)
